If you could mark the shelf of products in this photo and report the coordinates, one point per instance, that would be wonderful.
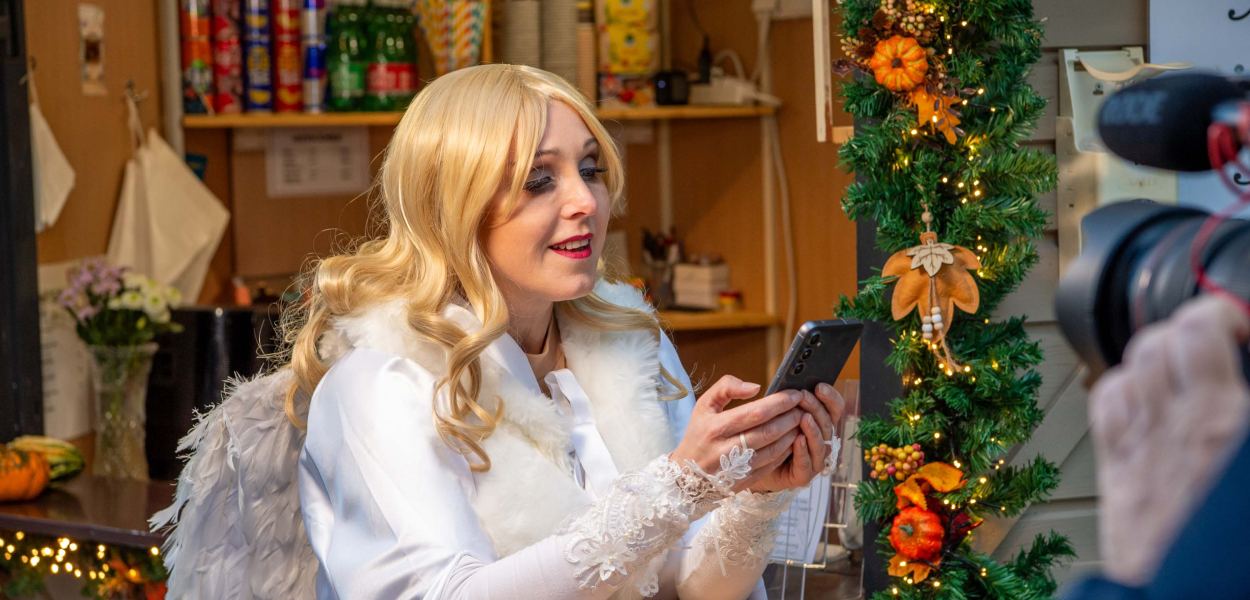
(676, 320)
(390, 119)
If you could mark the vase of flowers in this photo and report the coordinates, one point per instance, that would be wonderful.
(118, 314)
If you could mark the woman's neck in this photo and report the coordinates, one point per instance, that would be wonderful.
(529, 326)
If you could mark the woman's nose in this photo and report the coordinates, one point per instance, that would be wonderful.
(580, 200)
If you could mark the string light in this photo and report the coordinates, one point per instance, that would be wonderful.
(984, 480)
(937, 584)
(43, 557)
(956, 463)
(937, 435)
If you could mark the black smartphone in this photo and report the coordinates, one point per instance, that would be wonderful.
(817, 354)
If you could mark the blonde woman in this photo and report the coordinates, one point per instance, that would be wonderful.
(486, 416)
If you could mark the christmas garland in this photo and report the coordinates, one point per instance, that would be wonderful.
(942, 106)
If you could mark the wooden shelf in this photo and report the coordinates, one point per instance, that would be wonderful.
(250, 120)
(677, 320)
(689, 111)
(390, 119)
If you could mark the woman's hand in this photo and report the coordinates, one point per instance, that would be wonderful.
(769, 425)
(810, 450)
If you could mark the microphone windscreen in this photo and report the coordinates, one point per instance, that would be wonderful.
(1162, 122)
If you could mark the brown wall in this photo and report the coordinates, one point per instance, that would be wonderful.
(717, 187)
(91, 129)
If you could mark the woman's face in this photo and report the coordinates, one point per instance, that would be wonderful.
(548, 248)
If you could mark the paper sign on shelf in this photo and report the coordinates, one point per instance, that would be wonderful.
(321, 161)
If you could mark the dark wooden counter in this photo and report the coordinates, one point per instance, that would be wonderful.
(93, 509)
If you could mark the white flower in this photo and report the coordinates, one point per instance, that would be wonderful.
(173, 296)
(115, 303)
(133, 281)
(154, 303)
(161, 317)
(131, 300)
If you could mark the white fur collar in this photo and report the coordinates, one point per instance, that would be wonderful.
(529, 490)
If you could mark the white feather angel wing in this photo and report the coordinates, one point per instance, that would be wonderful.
(237, 531)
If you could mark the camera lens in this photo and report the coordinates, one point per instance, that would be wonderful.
(807, 353)
(798, 368)
(814, 340)
(1135, 269)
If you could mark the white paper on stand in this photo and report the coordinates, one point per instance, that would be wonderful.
(168, 223)
(66, 363)
(801, 529)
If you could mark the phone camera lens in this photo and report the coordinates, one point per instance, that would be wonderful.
(815, 340)
(798, 368)
(807, 353)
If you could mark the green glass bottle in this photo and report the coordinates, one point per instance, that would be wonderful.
(391, 79)
(347, 60)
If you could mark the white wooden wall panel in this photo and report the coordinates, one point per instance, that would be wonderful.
(1063, 436)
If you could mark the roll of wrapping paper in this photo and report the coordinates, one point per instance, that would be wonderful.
(197, 57)
(288, 76)
(559, 44)
(433, 20)
(227, 57)
(313, 43)
(522, 35)
(468, 26)
(257, 56)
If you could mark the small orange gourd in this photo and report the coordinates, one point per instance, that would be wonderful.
(23, 475)
(917, 534)
(899, 63)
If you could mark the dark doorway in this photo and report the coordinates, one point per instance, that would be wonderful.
(21, 385)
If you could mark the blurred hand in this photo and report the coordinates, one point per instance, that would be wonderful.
(1164, 423)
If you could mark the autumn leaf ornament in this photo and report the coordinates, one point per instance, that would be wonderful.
(934, 278)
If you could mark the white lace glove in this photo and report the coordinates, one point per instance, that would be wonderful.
(742, 530)
(625, 534)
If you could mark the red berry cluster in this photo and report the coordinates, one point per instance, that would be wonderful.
(893, 463)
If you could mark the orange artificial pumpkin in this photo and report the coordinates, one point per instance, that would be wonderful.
(899, 63)
(23, 475)
(917, 534)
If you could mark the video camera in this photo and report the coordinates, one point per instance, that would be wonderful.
(1140, 260)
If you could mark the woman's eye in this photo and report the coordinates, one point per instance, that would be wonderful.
(589, 173)
(538, 184)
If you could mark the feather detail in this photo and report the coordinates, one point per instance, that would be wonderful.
(236, 530)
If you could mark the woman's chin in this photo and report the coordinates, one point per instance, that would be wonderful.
(579, 287)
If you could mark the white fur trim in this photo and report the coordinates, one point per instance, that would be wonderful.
(529, 490)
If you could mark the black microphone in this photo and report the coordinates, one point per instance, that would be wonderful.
(1162, 122)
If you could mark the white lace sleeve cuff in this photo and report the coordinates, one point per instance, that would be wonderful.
(625, 534)
(742, 529)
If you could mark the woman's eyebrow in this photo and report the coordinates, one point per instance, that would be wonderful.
(556, 151)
